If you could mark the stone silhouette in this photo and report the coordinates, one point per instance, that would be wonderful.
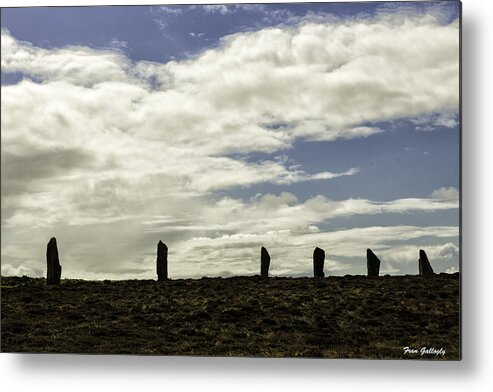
(372, 263)
(424, 264)
(318, 263)
(264, 262)
(54, 269)
(162, 261)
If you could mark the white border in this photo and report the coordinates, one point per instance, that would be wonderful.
(132, 373)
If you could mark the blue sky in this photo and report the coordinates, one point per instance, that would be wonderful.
(220, 129)
(160, 33)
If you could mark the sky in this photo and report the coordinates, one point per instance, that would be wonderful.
(219, 129)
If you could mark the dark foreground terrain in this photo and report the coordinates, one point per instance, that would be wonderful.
(334, 317)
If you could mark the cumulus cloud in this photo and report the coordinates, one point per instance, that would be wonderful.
(21, 270)
(173, 10)
(410, 253)
(444, 193)
(435, 121)
(452, 270)
(118, 44)
(78, 65)
(213, 8)
(404, 257)
(276, 212)
(291, 252)
(334, 77)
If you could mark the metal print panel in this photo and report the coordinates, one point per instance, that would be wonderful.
(266, 180)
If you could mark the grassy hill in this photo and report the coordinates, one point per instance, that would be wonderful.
(334, 317)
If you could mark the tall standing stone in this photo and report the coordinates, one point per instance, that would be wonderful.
(424, 264)
(162, 261)
(54, 269)
(318, 263)
(372, 263)
(264, 262)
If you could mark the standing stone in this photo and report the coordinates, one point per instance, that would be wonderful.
(162, 261)
(54, 269)
(264, 262)
(424, 264)
(372, 263)
(318, 263)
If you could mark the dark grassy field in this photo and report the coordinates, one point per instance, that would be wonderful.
(334, 317)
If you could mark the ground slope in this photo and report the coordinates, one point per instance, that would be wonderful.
(334, 317)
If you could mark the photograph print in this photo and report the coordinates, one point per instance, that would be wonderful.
(247, 180)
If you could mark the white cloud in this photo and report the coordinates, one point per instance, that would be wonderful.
(173, 10)
(198, 35)
(452, 270)
(410, 253)
(21, 270)
(334, 77)
(404, 257)
(224, 9)
(284, 212)
(444, 193)
(215, 8)
(432, 122)
(76, 65)
(118, 44)
(448, 251)
(291, 253)
(439, 11)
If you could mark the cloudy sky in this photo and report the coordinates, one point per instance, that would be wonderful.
(223, 128)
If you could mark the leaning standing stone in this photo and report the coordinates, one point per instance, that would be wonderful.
(264, 262)
(162, 261)
(54, 269)
(372, 263)
(424, 264)
(318, 263)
